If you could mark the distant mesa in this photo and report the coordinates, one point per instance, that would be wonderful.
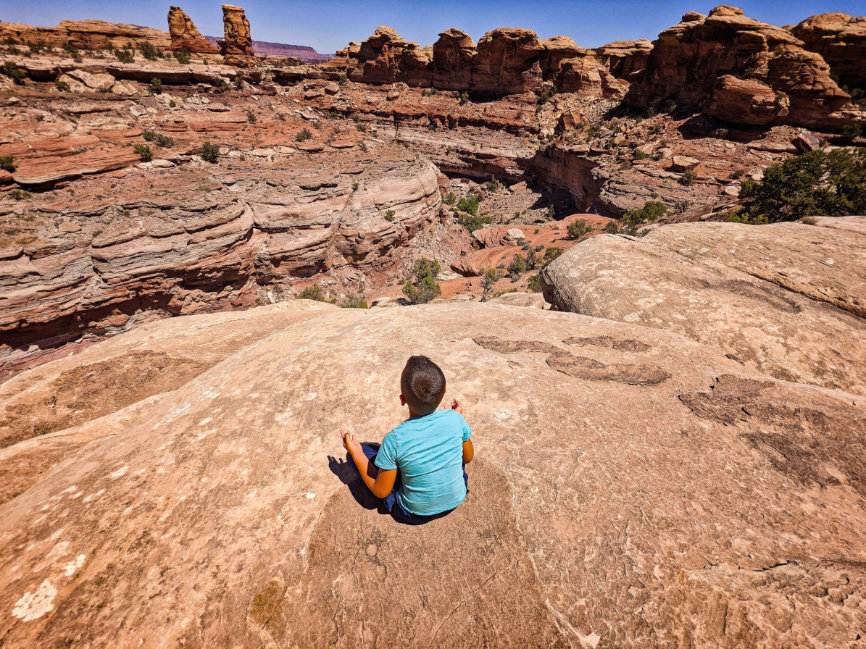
(303, 52)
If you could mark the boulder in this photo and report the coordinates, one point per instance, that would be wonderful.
(630, 487)
(92, 81)
(746, 101)
(681, 163)
(184, 34)
(386, 58)
(774, 298)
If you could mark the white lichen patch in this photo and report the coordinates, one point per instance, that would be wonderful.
(311, 495)
(32, 606)
(72, 567)
(119, 473)
(205, 421)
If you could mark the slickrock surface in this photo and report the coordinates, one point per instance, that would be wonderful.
(787, 299)
(841, 41)
(697, 64)
(631, 488)
(185, 35)
(77, 395)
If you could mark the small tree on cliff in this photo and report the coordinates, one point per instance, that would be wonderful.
(423, 287)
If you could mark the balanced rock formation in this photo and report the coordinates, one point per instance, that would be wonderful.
(184, 34)
(741, 70)
(841, 42)
(237, 47)
(86, 34)
(631, 488)
(776, 298)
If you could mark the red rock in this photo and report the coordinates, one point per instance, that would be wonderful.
(507, 61)
(49, 170)
(86, 34)
(237, 48)
(185, 35)
(453, 60)
(747, 101)
(841, 42)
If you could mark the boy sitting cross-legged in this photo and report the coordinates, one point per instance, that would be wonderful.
(419, 468)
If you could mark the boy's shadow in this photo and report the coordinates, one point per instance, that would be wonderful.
(347, 472)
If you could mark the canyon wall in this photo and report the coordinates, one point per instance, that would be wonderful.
(740, 70)
(841, 42)
(184, 34)
(86, 34)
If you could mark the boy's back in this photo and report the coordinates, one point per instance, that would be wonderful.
(428, 451)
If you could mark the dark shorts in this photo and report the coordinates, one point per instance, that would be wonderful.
(392, 503)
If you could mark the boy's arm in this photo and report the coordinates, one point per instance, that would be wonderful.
(468, 451)
(379, 481)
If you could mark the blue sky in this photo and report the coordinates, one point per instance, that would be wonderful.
(328, 25)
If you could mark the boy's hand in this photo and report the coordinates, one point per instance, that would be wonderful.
(456, 405)
(349, 441)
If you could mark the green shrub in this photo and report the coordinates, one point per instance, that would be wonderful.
(143, 151)
(423, 287)
(355, 302)
(72, 51)
(14, 72)
(450, 198)
(473, 223)
(851, 132)
(550, 255)
(531, 259)
(611, 227)
(361, 127)
(155, 87)
(534, 283)
(464, 97)
(748, 73)
(468, 205)
(7, 163)
(640, 155)
(577, 229)
(342, 79)
(688, 178)
(210, 152)
(389, 215)
(148, 51)
(488, 278)
(651, 211)
(182, 56)
(251, 118)
(517, 267)
(551, 212)
(303, 135)
(313, 292)
(815, 183)
(125, 56)
(61, 85)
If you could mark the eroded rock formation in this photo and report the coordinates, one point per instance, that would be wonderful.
(775, 298)
(841, 42)
(741, 70)
(184, 34)
(660, 491)
(86, 34)
(237, 48)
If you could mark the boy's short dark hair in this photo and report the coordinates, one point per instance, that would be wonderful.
(422, 384)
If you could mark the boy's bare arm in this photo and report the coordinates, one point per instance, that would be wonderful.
(379, 481)
(468, 451)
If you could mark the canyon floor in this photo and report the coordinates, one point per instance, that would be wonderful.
(669, 418)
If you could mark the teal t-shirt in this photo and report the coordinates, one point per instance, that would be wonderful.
(428, 451)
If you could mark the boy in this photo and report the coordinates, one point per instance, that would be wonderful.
(418, 469)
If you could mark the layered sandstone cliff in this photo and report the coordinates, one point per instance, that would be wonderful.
(237, 47)
(741, 70)
(86, 34)
(841, 42)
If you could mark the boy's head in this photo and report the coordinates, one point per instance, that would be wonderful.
(422, 384)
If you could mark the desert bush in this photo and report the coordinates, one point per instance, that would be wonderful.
(182, 56)
(534, 283)
(303, 135)
(532, 260)
(550, 255)
(158, 139)
(251, 118)
(355, 302)
(143, 151)
(7, 163)
(450, 198)
(155, 87)
(517, 267)
(210, 152)
(313, 292)
(468, 205)
(61, 85)
(611, 227)
(148, 51)
(851, 132)
(423, 287)
(389, 215)
(464, 97)
(551, 212)
(342, 79)
(640, 155)
(238, 83)
(688, 178)
(125, 56)
(815, 183)
(361, 127)
(473, 222)
(577, 229)
(651, 211)
(488, 279)
(72, 51)
(14, 72)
